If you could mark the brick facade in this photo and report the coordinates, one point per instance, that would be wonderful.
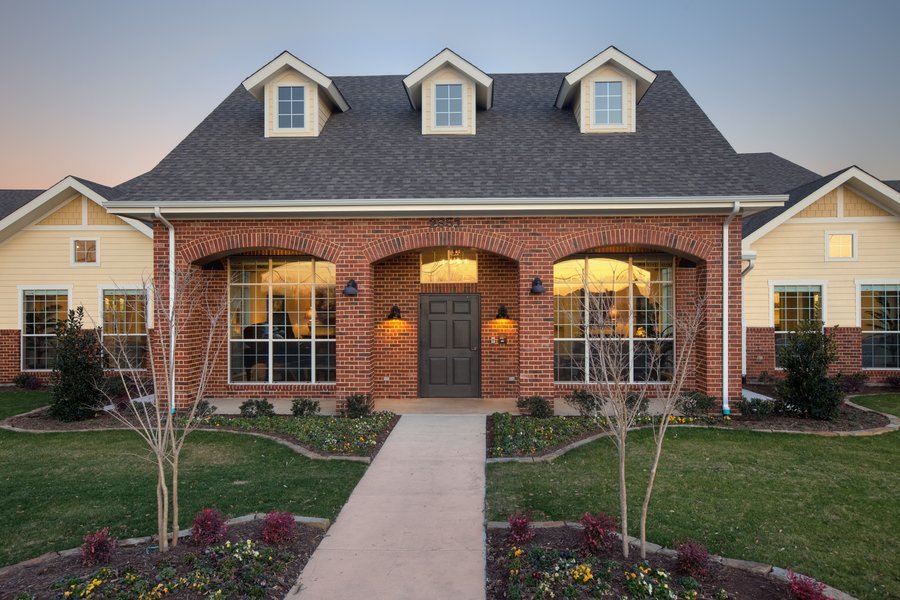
(10, 359)
(379, 255)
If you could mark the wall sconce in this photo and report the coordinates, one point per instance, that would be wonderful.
(537, 286)
(352, 289)
(394, 315)
(502, 312)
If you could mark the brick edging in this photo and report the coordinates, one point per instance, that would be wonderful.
(317, 522)
(758, 568)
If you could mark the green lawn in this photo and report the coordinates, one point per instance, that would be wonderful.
(58, 486)
(886, 403)
(14, 401)
(826, 507)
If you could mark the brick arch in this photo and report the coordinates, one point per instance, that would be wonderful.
(222, 244)
(429, 238)
(654, 236)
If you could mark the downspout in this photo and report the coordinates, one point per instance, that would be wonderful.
(726, 262)
(751, 262)
(171, 382)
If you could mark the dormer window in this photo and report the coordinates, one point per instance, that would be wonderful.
(607, 103)
(448, 105)
(291, 107)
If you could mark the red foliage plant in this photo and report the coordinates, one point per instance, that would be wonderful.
(98, 547)
(693, 559)
(520, 529)
(279, 528)
(804, 588)
(599, 532)
(209, 527)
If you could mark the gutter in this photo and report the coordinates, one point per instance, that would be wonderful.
(726, 261)
(171, 383)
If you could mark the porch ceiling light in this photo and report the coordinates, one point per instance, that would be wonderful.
(537, 286)
(352, 289)
(394, 315)
(502, 312)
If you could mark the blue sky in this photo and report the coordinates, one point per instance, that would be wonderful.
(105, 89)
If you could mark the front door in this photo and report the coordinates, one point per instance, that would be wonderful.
(449, 346)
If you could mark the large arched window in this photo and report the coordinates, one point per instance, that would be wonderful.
(281, 320)
(614, 298)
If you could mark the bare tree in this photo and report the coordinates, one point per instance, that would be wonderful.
(152, 415)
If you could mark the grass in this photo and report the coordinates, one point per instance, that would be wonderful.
(886, 403)
(14, 401)
(56, 487)
(825, 507)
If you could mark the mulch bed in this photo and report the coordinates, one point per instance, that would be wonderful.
(738, 584)
(489, 438)
(849, 419)
(39, 579)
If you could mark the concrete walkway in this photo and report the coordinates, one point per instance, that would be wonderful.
(414, 526)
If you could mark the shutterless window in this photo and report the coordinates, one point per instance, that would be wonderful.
(291, 107)
(124, 329)
(614, 299)
(840, 245)
(42, 310)
(448, 105)
(608, 103)
(448, 265)
(281, 320)
(85, 251)
(880, 321)
(794, 304)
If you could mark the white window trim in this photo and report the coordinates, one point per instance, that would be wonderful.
(773, 283)
(626, 124)
(593, 87)
(307, 114)
(859, 285)
(465, 121)
(138, 287)
(72, 241)
(854, 250)
(20, 290)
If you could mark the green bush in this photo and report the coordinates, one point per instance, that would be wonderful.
(358, 405)
(588, 404)
(537, 406)
(697, 404)
(78, 371)
(755, 408)
(304, 407)
(853, 383)
(807, 390)
(254, 408)
(27, 382)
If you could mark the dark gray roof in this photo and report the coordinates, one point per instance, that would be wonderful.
(13, 200)
(894, 184)
(524, 147)
(754, 222)
(777, 175)
(108, 193)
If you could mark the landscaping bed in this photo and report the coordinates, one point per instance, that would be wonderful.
(554, 562)
(226, 570)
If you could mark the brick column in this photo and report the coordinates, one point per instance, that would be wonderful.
(848, 342)
(536, 327)
(10, 357)
(354, 328)
(760, 352)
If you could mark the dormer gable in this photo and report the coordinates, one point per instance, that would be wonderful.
(449, 90)
(603, 93)
(298, 99)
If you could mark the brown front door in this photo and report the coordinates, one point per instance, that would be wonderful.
(449, 346)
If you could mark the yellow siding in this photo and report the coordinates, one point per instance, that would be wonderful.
(795, 251)
(310, 91)
(42, 258)
(97, 216)
(324, 110)
(857, 206)
(826, 206)
(586, 106)
(68, 214)
(448, 75)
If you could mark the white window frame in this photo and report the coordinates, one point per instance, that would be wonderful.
(306, 111)
(854, 246)
(125, 289)
(72, 260)
(859, 285)
(20, 290)
(462, 87)
(823, 286)
(593, 91)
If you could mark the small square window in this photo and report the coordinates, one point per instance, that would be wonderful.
(84, 252)
(291, 110)
(841, 246)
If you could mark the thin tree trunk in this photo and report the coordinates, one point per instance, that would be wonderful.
(175, 510)
(164, 504)
(645, 507)
(623, 500)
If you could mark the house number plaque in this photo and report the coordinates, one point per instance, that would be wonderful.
(442, 222)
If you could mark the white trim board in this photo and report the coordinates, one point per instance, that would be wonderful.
(773, 283)
(484, 84)
(256, 83)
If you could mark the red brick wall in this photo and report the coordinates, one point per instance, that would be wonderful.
(10, 359)
(760, 352)
(848, 343)
(357, 246)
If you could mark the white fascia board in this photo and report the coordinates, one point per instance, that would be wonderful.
(255, 84)
(852, 173)
(483, 82)
(618, 59)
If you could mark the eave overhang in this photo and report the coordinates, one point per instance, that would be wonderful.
(256, 83)
(611, 56)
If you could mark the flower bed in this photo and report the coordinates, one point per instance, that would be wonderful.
(325, 434)
(510, 435)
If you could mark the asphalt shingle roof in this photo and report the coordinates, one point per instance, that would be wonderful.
(754, 222)
(524, 147)
(894, 184)
(13, 200)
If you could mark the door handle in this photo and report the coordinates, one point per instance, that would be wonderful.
(475, 349)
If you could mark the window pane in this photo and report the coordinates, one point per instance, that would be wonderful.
(448, 265)
(840, 245)
(796, 304)
(42, 311)
(455, 119)
(441, 119)
(284, 93)
(568, 360)
(284, 121)
(448, 105)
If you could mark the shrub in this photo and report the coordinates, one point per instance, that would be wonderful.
(765, 378)
(586, 403)
(114, 388)
(78, 371)
(279, 528)
(260, 407)
(598, 532)
(755, 408)
(893, 383)
(854, 383)
(537, 406)
(807, 390)
(357, 406)
(27, 382)
(693, 559)
(209, 527)
(804, 588)
(204, 409)
(697, 404)
(520, 529)
(304, 407)
(97, 548)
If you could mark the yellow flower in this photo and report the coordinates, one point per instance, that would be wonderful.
(519, 552)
